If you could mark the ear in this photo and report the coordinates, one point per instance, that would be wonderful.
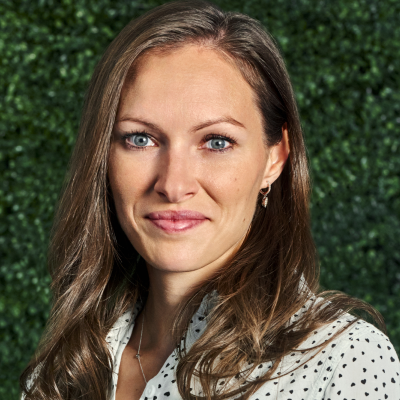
(277, 157)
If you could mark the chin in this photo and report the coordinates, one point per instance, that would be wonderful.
(176, 254)
(174, 264)
(177, 260)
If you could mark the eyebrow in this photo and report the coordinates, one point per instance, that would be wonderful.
(202, 125)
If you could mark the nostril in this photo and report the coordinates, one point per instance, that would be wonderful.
(176, 185)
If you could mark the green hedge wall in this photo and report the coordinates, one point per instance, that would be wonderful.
(343, 57)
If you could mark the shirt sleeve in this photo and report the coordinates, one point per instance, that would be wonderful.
(369, 368)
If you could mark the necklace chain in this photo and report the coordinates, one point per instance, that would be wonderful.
(138, 352)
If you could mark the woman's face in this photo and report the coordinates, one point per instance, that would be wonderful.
(187, 160)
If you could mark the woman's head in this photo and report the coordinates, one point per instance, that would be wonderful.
(176, 68)
(189, 138)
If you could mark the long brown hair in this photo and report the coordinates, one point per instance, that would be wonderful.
(97, 274)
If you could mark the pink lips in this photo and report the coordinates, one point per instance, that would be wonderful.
(176, 221)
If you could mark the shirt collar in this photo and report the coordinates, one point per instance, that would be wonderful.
(129, 316)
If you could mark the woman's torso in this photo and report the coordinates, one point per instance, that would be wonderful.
(360, 363)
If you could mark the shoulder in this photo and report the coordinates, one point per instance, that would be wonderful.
(360, 361)
(344, 332)
(366, 365)
(357, 339)
(348, 331)
(356, 360)
(358, 345)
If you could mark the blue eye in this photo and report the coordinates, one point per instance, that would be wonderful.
(140, 140)
(217, 144)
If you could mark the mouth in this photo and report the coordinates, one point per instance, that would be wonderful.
(176, 221)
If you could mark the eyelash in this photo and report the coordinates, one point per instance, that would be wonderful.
(206, 138)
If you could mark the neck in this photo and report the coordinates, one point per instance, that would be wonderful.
(168, 290)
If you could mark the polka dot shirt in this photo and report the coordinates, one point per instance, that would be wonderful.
(361, 363)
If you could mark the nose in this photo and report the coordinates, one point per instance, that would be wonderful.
(176, 181)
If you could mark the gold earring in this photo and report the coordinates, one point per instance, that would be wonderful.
(264, 200)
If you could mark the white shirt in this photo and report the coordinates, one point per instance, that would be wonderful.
(361, 363)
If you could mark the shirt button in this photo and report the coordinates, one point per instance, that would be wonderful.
(150, 391)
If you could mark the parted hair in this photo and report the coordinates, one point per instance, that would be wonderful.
(97, 274)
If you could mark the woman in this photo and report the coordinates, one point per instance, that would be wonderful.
(182, 260)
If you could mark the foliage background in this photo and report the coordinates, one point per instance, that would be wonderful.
(343, 57)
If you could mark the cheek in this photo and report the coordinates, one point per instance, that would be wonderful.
(235, 184)
(126, 179)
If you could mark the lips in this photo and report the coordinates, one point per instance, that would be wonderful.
(175, 215)
(176, 221)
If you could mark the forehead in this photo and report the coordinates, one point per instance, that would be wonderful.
(191, 81)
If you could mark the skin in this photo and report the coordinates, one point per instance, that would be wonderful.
(179, 170)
